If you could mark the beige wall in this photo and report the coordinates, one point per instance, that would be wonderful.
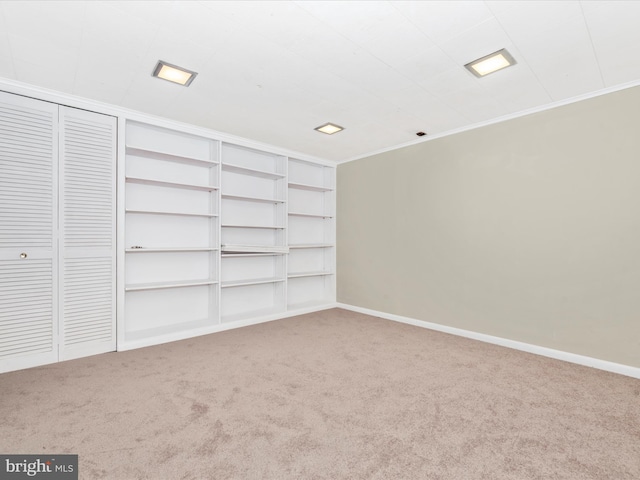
(528, 229)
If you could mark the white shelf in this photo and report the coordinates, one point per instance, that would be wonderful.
(163, 183)
(170, 249)
(228, 167)
(250, 199)
(313, 188)
(252, 254)
(226, 225)
(160, 285)
(310, 215)
(309, 274)
(252, 281)
(236, 248)
(312, 245)
(182, 214)
(169, 157)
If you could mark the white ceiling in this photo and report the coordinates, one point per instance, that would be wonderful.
(273, 70)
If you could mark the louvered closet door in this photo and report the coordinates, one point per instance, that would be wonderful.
(28, 209)
(87, 239)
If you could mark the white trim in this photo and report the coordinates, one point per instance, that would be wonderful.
(293, 312)
(39, 93)
(120, 238)
(504, 118)
(504, 342)
(221, 327)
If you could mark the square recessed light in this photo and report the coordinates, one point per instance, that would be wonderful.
(329, 128)
(491, 63)
(173, 73)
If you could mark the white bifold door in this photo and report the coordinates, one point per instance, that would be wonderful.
(28, 232)
(57, 232)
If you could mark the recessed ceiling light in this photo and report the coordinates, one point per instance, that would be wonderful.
(491, 63)
(329, 128)
(174, 74)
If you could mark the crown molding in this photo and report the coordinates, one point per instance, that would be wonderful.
(504, 118)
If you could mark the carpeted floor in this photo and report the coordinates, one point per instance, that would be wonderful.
(329, 395)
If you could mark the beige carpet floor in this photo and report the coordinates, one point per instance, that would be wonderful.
(329, 395)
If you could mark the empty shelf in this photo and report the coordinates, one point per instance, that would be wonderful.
(227, 167)
(309, 274)
(170, 249)
(163, 183)
(169, 157)
(273, 227)
(311, 245)
(312, 215)
(313, 188)
(159, 285)
(250, 281)
(254, 249)
(181, 214)
(250, 199)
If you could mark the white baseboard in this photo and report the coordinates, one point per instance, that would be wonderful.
(505, 342)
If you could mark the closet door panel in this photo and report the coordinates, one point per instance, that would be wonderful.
(28, 213)
(87, 249)
(27, 329)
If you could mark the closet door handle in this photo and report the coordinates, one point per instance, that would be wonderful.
(23, 255)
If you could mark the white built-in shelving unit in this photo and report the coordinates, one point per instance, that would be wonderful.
(254, 241)
(311, 234)
(218, 235)
(171, 232)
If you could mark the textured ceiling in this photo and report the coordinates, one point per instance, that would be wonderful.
(272, 71)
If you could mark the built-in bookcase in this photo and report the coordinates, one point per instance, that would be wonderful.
(254, 240)
(216, 234)
(171, 232)
(311, 234)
